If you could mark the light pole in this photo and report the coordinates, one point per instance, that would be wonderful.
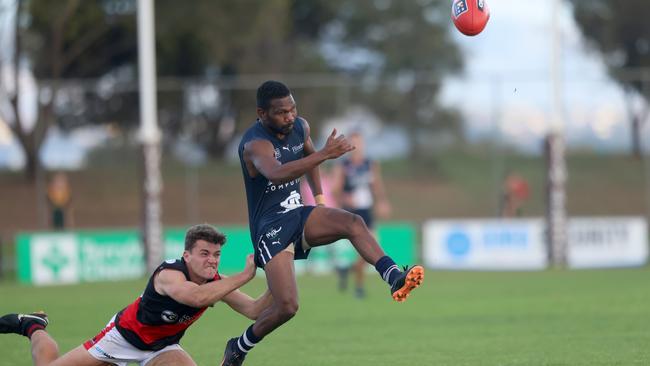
(556, 216)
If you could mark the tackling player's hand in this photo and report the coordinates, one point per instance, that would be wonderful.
(336, 145)
(250, 268)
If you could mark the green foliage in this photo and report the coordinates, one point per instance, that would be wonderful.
(78, 39)
(619, 31)
(456, 318)
(406, 45)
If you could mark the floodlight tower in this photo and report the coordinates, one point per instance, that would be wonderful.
(150, 137)
(556, 216)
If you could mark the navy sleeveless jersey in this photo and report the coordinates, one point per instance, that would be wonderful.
(357, 182)
(268, 202)
(154, 321)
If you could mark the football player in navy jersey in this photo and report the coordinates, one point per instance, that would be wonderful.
(275, 153)
(148, 330)
(359, 188)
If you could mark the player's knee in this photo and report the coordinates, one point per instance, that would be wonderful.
(287, 309)
(356, 225)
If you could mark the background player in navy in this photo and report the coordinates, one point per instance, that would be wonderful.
(275, 153)
(359, 188)
(148, 330)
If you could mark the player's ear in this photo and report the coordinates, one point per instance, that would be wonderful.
(261, 113)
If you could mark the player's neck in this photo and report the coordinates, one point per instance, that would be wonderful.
(278, 135)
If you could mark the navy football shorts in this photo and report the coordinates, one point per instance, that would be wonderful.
(277, 235)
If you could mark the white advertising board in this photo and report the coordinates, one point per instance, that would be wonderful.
(598, 242)
(485, 244)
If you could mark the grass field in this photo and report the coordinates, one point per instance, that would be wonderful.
(455, 318)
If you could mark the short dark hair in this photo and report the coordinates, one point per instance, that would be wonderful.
(270, 90)
(203, 232)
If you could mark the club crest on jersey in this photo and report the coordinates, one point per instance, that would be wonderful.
(169, 316)
(292, 202)
(481, 5)
(276, 151)
(460, 7)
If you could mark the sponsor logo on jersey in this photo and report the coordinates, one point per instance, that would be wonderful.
(270, 187)
(187, 319)
(169, 316)
(298, 148)
(459, 7)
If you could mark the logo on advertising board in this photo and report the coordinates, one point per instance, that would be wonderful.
(55, 259)
(458, 244)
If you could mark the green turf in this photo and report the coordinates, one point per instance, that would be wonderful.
(456, 318)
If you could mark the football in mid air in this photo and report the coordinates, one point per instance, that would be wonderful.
(470, 16)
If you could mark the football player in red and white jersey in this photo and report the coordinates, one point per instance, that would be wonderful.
(148, 330)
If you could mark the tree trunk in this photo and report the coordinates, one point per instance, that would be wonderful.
(32, 164)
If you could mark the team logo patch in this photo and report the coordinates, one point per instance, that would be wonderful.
(460, 7)
(277, 153)
(273, 232)
(169, 316)
(292, 202)
(480, 4)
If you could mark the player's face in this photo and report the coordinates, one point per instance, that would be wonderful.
(203, 259)
(281, 115)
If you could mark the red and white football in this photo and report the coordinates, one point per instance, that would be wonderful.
(470, 16)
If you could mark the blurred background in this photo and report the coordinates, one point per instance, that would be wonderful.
(524, 147)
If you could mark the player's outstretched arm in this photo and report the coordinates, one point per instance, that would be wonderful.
(260, 159)
(246, 305)
(174, 284)
(313, 175)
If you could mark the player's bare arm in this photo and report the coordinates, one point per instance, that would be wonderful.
(259, 157)
(173, 283)
(246, 305)
(313, 175)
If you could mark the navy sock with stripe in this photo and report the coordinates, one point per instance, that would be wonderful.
(248, 340)
(387, 269)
